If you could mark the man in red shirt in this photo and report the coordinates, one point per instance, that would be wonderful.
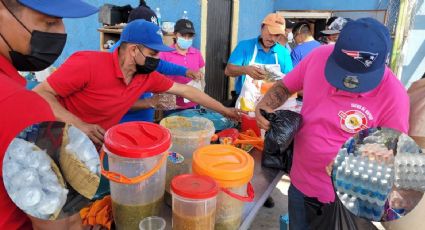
(31, 38)
(93, 90)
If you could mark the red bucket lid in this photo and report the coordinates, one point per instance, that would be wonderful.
(137, 139)
(194, 186)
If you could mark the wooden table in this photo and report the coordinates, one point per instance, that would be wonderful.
(264, 181)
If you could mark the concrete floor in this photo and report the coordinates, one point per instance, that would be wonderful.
(268, 218)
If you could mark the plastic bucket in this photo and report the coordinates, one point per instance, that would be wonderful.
(137, 153)
(187, 134)
(232, 168)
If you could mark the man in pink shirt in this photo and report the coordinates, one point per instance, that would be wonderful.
(347, 88)
(184, 55)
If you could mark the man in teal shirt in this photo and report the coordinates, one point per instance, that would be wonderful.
(260, 50)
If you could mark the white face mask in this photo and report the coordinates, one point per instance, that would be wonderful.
(290, 37)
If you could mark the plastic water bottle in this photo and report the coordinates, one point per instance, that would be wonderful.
(351, 166)
(353, 205)
(377, 212)
(185, 16)
(356, 184)
(343, 164)
(361, 169)
(380, 168)
(379, 175)
(340, 178)
(158, 16)
(347, 182)
(362, 162)
(368, 210)
(338, 160)
(354, 161)
(371, 166)
(364, 186)
(374, 190)
(382, 192)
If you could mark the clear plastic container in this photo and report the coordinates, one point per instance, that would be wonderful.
(152, 223)
(232, 168)
(137, 153)
(188, 134)
(229, 209)
(194, 202)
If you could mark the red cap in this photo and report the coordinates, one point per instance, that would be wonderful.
(194, 186)
(137, 139)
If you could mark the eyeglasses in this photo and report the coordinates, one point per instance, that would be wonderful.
(140, 48)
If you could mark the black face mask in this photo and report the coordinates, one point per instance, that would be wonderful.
(150, 65)
(45, 49)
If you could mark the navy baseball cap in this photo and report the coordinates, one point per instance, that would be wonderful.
(144, 33)
(143, 12)
(61, 8)
(357, 63)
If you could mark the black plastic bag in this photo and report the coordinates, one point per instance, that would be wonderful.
(333, 216)
(278, 146)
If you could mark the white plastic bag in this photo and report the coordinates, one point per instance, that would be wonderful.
(200, 84)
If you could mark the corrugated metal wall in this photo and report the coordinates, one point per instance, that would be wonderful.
(218, 47)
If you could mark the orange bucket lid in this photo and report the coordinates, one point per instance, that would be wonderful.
(228, 165)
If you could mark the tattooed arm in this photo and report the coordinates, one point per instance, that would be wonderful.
(275, 97)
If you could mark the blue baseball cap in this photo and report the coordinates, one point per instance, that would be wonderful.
(144, 33)
(357, 63)
(61, 8)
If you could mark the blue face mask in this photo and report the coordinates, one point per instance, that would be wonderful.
(184, 43)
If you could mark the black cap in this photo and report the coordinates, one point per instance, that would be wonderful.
(184, 26)
(143, 12)
(289, 23)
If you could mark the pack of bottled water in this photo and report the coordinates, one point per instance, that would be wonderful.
(363, 180)
(366, 174)
(409, 165)
(30, 181)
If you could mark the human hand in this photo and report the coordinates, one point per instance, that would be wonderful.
(273, 73)
(93, 131)
(255, 72)
(329, 168)
(195, 75)
(233, 113)
(262, 122)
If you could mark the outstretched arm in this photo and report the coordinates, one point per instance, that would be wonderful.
(203, 99)
(93, 131)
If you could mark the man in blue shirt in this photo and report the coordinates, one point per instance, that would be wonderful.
(260, 50)
(164, 67)
(304, 40)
